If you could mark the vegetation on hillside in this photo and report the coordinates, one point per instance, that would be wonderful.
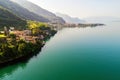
(9, 51)
(21, 11)
(40, 28)
(11, 48)
(9, 19)
(39, 11)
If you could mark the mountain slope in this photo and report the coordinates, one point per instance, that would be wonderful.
(69, 19)
(39, 11)
(9, 19)
(21, 12)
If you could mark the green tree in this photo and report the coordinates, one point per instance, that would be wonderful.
(7, 51)
(22, 48)
(13, 39)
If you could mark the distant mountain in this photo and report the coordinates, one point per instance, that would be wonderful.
(9, 19)
(69, 19)
(39, 11)
(102, 19)
(21, 12)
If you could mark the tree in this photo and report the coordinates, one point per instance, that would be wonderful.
(6, 51)
(13, 36)
(22, 48)
(13, 39)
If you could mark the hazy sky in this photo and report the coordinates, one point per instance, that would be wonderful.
(82, 8)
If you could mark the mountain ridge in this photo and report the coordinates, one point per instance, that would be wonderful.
(70, 19)
(39, 11)
(21, 12)
(9, 19)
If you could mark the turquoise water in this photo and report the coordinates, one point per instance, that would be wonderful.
(73, 54)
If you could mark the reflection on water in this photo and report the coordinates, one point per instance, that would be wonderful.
(11, 69)
(73, 54)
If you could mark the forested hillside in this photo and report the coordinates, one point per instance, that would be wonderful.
(7, 18)
(39, 11)
(20, 11)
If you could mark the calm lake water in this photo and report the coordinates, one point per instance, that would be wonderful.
(73, 54)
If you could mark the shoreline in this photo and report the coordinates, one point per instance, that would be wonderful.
(21, 45)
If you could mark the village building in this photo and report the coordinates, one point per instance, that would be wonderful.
(25, 35)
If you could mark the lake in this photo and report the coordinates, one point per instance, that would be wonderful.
(73, 54)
